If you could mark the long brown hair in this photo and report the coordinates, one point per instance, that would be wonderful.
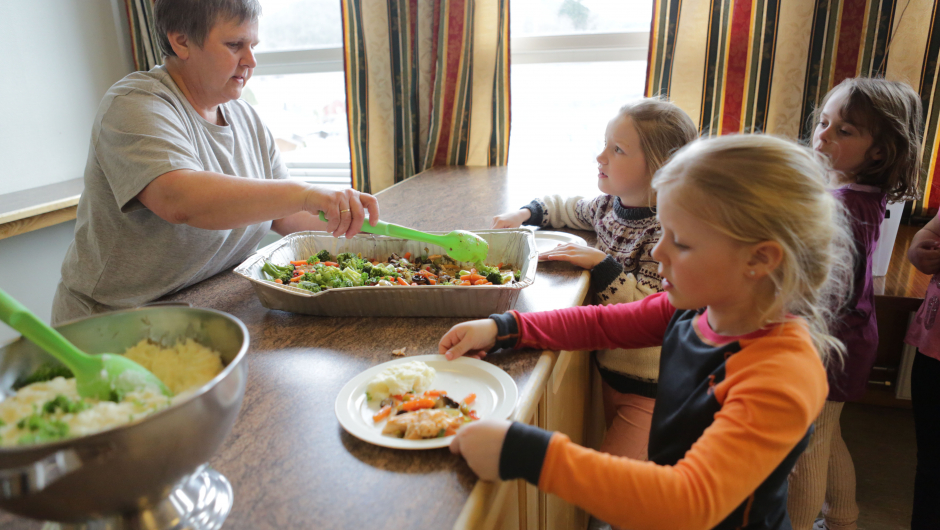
(892, 113)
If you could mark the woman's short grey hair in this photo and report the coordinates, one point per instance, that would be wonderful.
(194, 18)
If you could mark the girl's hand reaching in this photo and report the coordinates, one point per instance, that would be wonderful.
(512, 219)
(580, 255)
(481, 443)
(925, 255)
(472, 338)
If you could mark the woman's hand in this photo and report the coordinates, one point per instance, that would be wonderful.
(512, 219)
(480, 443)
(344, 209)
(580, 255)
(472, 338)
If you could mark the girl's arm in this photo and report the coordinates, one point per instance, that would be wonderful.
(559, 212)
(768, 401)
(924, 252)
(637, 325)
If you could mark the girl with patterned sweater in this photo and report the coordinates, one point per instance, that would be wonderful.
(638, 141)
(752, 269)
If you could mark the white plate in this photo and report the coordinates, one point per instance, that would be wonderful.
(547, 240)
(496, 397)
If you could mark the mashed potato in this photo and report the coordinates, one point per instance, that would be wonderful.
(413, 376)
(52, 410)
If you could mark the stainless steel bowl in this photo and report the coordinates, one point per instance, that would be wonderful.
(136, 467)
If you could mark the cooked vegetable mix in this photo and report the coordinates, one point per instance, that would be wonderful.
(325, 271)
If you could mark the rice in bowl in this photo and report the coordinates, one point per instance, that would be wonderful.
(52, 410)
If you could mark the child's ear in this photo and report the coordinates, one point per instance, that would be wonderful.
(765, 257)
(875, 153)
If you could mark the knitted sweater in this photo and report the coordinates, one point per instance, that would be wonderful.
(629, 273)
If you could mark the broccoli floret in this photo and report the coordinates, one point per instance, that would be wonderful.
(343, 258)
(278, 272)
(65, 405)
(309, 286)
(382, 270)
(313, 260)
(366, 267)
(352, 275)
(324, 255)
(516, 275)
(495, 277)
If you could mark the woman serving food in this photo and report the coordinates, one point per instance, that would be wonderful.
(183, 179)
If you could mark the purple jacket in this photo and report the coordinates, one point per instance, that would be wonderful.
(858, 327)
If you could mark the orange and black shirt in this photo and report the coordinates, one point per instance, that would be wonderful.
(732, 416)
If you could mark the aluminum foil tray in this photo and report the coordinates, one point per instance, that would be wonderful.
(516, 246)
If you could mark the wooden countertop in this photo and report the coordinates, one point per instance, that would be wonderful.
(290, 463)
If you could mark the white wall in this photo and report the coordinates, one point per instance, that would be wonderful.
(60, 58)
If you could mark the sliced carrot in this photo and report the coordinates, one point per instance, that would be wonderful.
(382, 413)
(295, 263)
(296, 279)
(402, 281)
(415, 404)
(331, 264)
(500, 266)
(407, 255)
(473, 414)
(432, 281)
(278, 280)
(450, 431)
(465, 282)
(436, 393)
(470, 399)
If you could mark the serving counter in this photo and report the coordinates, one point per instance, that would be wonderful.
(292, 465)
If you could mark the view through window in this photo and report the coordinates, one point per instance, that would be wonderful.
(573, 64)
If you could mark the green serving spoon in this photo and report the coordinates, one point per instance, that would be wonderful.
(460, 244)
(103, 376)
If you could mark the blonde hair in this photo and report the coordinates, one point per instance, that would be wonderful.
(892, 113)
(756, 188)
(663, 129)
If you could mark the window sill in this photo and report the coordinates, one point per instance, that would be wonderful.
(28, 210)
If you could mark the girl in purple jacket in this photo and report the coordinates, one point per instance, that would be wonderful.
(870, 130)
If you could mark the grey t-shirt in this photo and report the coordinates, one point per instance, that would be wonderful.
(123, 254)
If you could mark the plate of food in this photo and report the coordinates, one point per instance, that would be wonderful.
(421, 402)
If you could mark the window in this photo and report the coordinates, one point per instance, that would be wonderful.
(299, 90)
(574, 63)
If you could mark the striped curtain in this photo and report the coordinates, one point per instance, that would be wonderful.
(427, 84)
(764, 65)
(143, 34)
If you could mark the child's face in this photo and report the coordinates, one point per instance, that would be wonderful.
(622, 166)
(699, 265)
(845, 144)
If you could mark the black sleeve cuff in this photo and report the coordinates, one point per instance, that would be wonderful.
(604, 273)
(523, 453)
(507, 330)
(536, 218)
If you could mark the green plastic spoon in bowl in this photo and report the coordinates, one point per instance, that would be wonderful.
(459, 244)
(104, 376)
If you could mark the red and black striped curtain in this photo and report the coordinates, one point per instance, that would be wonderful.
(763, 65)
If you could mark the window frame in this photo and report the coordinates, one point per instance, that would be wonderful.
(587, 47)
